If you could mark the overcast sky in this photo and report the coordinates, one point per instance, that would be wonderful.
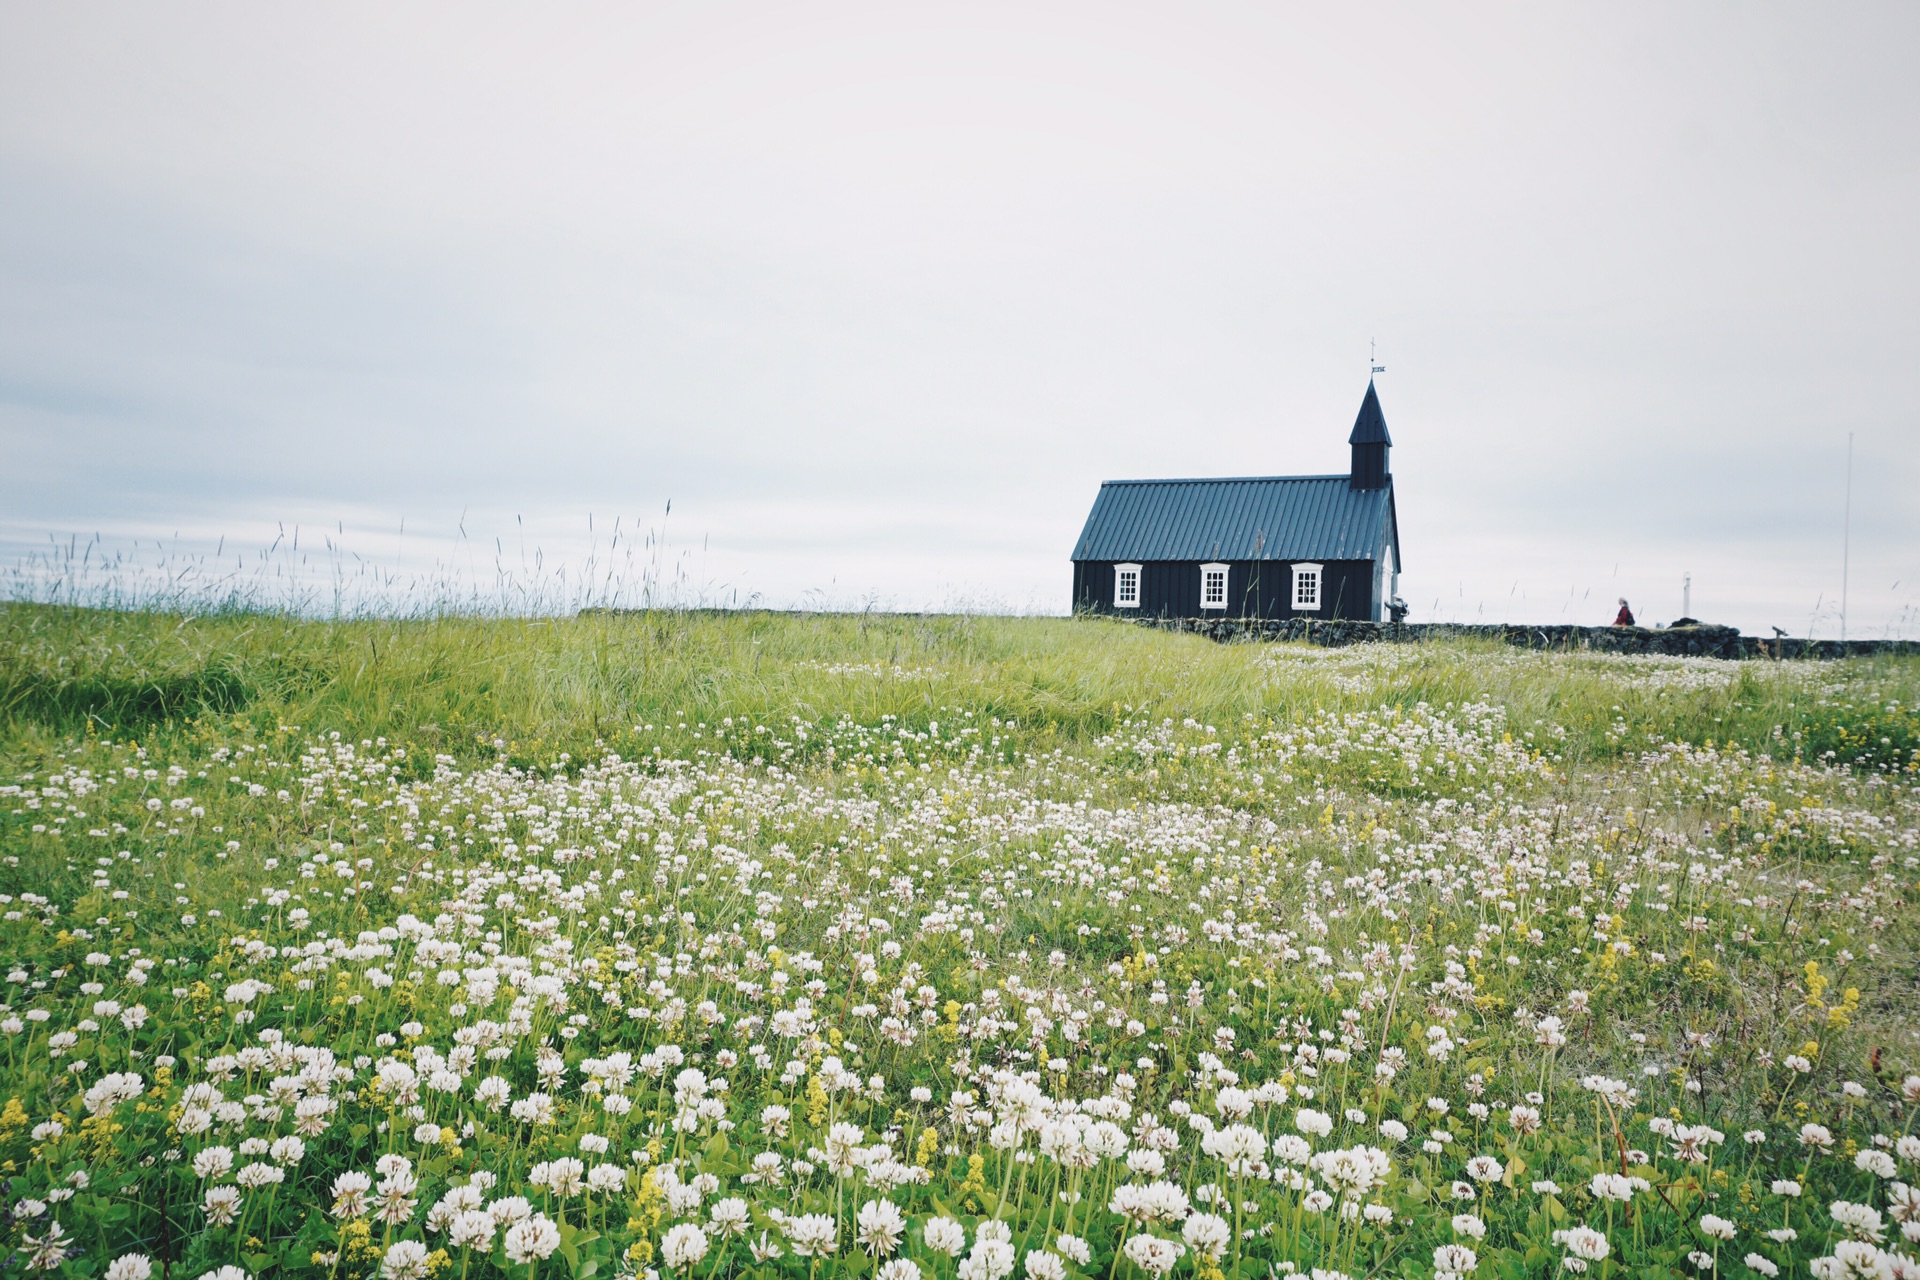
(877, 294)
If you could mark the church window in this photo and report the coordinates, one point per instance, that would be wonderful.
(1213, 586)
(1306, 587)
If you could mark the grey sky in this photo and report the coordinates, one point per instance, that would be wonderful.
(877, 294)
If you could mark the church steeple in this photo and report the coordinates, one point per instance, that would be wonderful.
(1370, 443)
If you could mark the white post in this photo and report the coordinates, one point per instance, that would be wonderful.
(1686, 595)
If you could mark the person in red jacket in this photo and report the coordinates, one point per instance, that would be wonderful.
(1625, 617)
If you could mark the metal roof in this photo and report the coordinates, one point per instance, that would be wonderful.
(1244, 518)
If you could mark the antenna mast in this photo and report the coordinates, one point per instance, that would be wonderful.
(1846, 544)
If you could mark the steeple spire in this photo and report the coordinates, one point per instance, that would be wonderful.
(1370, 443)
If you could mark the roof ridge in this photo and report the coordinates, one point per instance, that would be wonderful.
(1341, 476)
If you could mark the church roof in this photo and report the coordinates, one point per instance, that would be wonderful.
(1245, 518)
(1371, 426)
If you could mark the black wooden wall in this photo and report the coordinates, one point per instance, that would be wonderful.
(1255, 589)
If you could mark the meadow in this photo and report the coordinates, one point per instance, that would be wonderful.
(714, 945)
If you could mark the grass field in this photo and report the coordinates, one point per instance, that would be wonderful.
(757, 945)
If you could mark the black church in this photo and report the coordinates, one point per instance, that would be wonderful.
(1248, 547)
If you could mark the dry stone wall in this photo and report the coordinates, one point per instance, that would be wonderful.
(1701, 641)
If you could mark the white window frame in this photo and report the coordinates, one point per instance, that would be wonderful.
(1303, 576)
(1120, 573)
(1207, 571)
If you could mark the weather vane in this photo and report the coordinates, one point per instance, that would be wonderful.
(1372, 356)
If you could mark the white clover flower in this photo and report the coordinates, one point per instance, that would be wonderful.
(221, 1205)
(1151, 1254)
(1233, 1103)
(1717, 1227)
(111, 1090)
(944, 1235)
(1862, 1221)
(879, 1227)
(684, 1246)
(1041, 1265)
(1611, 1186)
(212, 1162)
(1584, 1243)
(1240, 1147)
(1616, 1092)
(1208, 1235)
(130, 1266)
(1291, 1148)
(1484, 1169)
(1877, 1163)
(531, 1239)
(811, 1235)
(1469, 1225)
(257, 1175)
(534, 1109)
(404, 1260)
(1316, 1124)
(564, 1176)
(1352, 1171)
(990, 1259)
(471, 1229)
(350, 1194)
(1154, 1202)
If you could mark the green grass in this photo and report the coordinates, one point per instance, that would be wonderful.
(549, 686)
(1348, 897)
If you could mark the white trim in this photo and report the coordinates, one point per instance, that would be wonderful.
(1210, 574)
(1308, 584)
(1122, 599)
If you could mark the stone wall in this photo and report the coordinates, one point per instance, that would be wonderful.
(1701, 641)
